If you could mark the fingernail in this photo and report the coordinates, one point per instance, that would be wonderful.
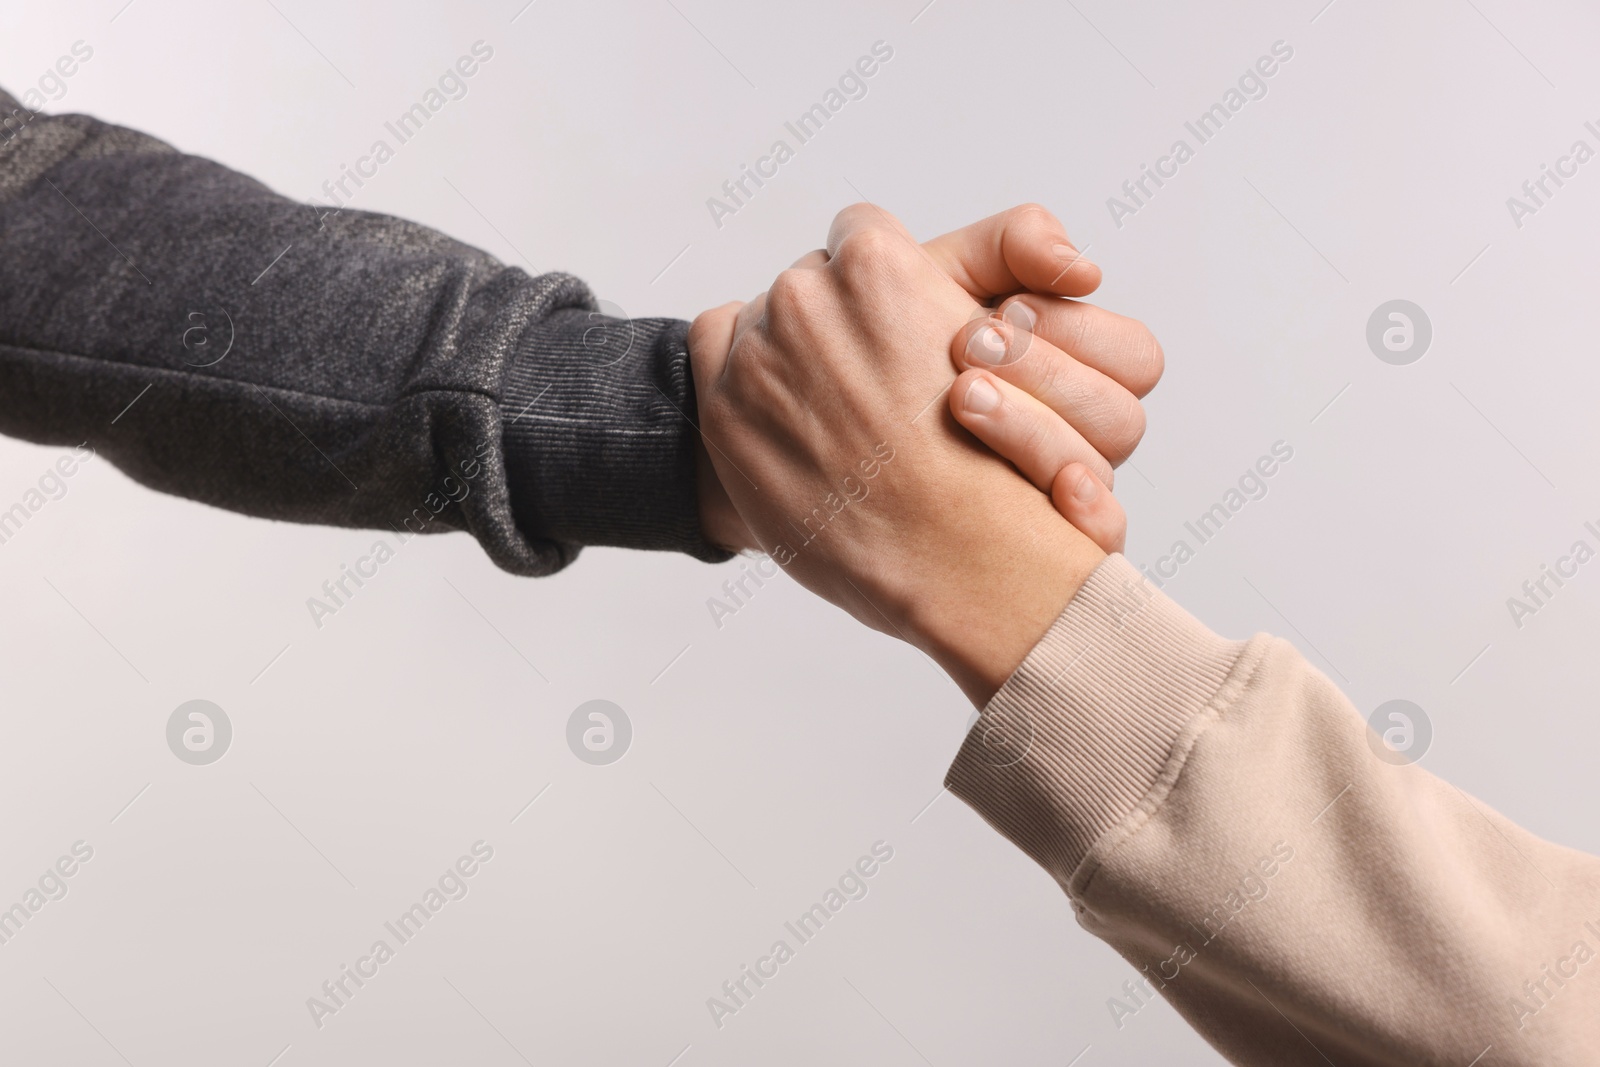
(1020, 316)
(982, 397)
(1086, 490)
(988, 345)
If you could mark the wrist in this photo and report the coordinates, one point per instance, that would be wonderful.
(981, 622)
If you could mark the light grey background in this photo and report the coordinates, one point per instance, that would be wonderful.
(772, 752)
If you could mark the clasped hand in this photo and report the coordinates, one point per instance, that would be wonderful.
(925, 435)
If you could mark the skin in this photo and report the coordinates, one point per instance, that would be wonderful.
(1021, 263)
(1096, 394)
(819, 405)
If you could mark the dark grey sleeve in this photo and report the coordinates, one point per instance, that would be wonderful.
(218, 341)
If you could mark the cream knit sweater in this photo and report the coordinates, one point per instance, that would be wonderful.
(1215, 812)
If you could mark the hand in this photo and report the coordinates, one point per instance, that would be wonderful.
(1073, 371)
(1044, 447)
(1056, 418)
(819, 407)
(1023, 249)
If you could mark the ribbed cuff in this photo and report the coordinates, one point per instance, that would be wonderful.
(1087, 737)
(600, 449)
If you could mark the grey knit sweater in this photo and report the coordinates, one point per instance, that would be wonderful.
(218, 341)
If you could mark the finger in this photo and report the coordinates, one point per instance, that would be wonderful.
(752, 312)
(1106, 414)
(1035, 439)
(1023, 248)
(862, 218)
(710, 339)
(1089, 505)
(1121, 348)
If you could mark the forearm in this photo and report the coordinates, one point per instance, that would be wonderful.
(221, 342)
(1215, 813)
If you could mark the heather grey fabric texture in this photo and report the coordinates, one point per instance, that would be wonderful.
(376, 373)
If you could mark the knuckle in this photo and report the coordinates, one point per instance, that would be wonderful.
(854, 213)
(1035, 439)
(1049, 374)
(1076, 337)
(873, 252)
(789, 291)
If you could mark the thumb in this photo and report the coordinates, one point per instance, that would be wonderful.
(1024, 248)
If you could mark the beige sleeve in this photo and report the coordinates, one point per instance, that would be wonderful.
(1214, 812)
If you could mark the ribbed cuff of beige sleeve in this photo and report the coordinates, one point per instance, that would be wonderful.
(1086, 738)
